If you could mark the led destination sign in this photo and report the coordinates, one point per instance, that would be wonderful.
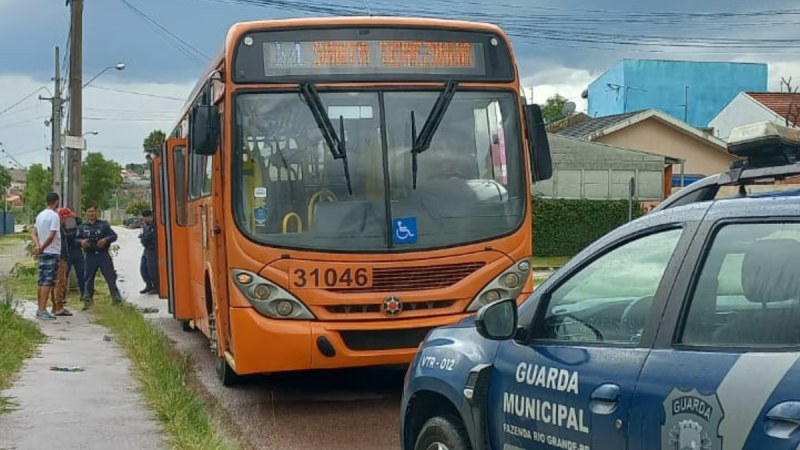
(373, 57)
(373, 54)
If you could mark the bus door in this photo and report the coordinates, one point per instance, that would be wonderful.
(197, 237)
(160, 217)
(176, 181)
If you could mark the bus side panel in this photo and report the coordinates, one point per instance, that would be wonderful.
(159, 211)
(177, 231)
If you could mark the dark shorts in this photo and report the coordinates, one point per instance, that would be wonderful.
(48, 268)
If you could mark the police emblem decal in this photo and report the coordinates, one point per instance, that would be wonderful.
(691, 421)
(392, 306)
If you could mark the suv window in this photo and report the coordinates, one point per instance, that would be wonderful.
(609, 300)
(748, 291)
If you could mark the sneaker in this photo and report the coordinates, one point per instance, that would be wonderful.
(146, 289)
(87, 303)
(45, 315)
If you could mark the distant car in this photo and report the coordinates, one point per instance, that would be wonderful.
(678, 330)
(132, 222)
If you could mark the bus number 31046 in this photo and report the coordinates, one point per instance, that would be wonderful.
(303, 277)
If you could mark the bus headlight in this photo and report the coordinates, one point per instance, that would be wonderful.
(268, 298)
(506, 285)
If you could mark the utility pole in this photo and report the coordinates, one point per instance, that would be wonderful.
(73, 191)
(55, 123)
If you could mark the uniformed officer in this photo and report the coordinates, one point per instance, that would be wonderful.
(149, 265)
(75, 258)
(95, 237)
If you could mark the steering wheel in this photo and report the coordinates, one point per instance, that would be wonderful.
(597, 334)
(635, 312)
(454, 174)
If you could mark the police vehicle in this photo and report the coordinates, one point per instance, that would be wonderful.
(679, 330)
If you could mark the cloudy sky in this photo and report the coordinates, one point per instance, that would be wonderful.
(561, 46)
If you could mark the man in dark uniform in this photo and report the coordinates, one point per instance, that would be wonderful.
(95, 237)
(75, 258)
(149, 265)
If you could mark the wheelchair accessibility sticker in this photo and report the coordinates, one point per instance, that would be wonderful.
(405, 230)
(260, 215)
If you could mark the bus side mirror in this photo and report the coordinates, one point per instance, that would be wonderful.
(539, 146)
(204, 129)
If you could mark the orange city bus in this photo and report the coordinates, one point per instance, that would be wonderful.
(335, 188)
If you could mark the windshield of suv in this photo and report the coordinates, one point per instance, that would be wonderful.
(290, 190)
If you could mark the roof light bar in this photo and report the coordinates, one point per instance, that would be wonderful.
(765, 144)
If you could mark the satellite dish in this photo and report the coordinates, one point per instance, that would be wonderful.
(568, 108)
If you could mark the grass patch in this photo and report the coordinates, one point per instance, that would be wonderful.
(549, 261)
(19, 339)
(539, 280)
(165, 379)
(7, 240)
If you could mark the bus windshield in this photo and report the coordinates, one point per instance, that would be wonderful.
(290, 189)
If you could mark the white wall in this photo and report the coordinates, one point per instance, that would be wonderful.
(742, 110)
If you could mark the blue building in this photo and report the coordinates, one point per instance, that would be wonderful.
(687, 90)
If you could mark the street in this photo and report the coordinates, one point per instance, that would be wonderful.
(359, 409)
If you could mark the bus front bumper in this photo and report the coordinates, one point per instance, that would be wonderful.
(264, 345)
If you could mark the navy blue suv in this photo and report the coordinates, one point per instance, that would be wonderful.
(680, 330)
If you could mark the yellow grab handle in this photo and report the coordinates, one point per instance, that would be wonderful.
(286, 222)
(317, 195)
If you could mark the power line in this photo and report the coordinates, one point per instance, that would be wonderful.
(124, 91)
(186, 49)
(22, 100)
(127, 119)
(567, 28)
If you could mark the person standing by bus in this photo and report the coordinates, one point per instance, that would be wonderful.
(149, 265)
(95, 237)
(59, 294)
(76, 258)
(47, 227)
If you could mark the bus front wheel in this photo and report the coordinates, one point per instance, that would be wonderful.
(226, 374)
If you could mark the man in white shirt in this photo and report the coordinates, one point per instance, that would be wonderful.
(48, 227)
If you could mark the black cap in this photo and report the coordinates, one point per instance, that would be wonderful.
(147, 213)
(52, 197)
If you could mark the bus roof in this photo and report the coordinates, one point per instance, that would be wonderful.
(235, 30)
(313, 22)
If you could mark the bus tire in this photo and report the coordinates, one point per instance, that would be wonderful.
(226, 374)
(443, 432)
(186, 326)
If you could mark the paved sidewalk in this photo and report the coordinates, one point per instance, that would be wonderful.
(98, 408)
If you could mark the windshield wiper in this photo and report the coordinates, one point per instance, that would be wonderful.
(423, 141)
(336, 143)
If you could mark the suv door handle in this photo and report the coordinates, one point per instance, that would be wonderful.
(605, 398)
(783, 420)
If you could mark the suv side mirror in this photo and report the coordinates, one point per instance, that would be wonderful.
(539, 146)
(204, 123)
(498, 320)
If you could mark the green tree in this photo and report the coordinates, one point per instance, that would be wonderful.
(38, 183)
(99, 178)
(135, 207)
(5, 179)
(5, 182)
(153, 143)
(553, 110)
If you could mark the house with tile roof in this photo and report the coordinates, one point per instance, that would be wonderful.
(697, 152)
(752, 107)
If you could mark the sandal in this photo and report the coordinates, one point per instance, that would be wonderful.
(64, 312)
